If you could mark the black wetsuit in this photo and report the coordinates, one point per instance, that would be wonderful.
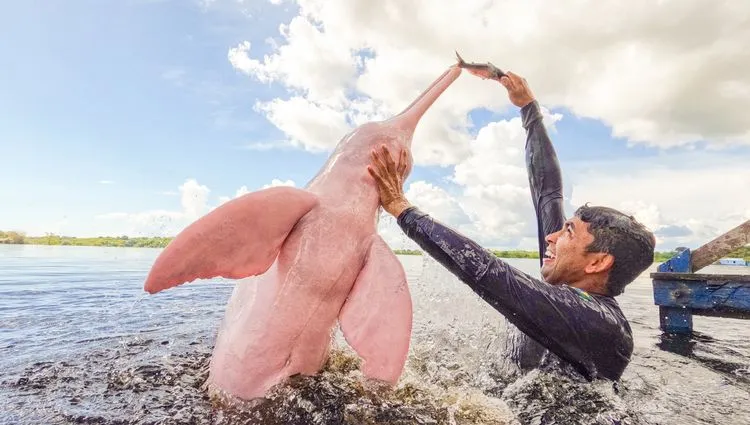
(587, 331)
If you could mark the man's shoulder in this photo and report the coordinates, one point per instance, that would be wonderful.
(604, 307)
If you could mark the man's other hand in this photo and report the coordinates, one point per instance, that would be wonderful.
(390, 179)
(519, 92)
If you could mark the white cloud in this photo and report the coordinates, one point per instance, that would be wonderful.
(149, 223)
(194, 199)
(686, 200)
(274, 183)
(315, 126)
(662, 74)
(332, 61)
(492, 202)
(106, 182)
(194, 203)
(244, 190)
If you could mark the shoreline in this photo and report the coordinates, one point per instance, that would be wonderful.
(17, 238)
(161, 242)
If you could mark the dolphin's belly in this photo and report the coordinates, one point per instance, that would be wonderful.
(279, 323)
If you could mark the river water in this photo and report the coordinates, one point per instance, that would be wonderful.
(81, 343)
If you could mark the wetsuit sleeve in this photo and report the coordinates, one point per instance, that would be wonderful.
(554, 316)
(545, 178)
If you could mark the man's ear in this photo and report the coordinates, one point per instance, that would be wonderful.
(600, 263)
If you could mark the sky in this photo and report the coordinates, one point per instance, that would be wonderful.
(138, 117)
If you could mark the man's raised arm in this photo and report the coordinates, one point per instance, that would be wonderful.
(545, 178)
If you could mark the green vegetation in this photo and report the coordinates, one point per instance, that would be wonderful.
(15, 237)
(743, 252)
(407, 252)
(661, 257)
(12, 237)
(50, 239)
(516, 254)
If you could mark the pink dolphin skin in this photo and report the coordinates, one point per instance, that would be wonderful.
(308, 257)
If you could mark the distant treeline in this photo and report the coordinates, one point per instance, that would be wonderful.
(121, 241)
(160, 242)
(659, 257)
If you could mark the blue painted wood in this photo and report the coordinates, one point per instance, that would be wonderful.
(676, 320)
(680, 263)
(680, 293)
(702, 295)
(702, 277)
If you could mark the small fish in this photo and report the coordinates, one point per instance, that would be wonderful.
(483, 70)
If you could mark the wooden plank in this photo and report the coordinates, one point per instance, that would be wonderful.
(696, 295)
(721, 246)
(728, 313)
(701, 277)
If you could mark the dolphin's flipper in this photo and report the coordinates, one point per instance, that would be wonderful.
(240, 238)
(377, 317)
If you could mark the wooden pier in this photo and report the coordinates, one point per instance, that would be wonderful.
(680, 292)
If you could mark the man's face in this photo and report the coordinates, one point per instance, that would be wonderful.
(566, 257)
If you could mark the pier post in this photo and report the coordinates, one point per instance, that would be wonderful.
(676, 320)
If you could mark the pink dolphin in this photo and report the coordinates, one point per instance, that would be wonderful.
(315, 257)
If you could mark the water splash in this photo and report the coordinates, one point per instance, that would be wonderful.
(137, 300)
(136, 385)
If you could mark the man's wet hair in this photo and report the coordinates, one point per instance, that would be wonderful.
(621, 235)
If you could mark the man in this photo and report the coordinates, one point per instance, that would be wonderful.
(585, 261)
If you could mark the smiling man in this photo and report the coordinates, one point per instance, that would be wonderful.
(570, 315)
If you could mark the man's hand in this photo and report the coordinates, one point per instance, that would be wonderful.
(518, 89)
(390, 179)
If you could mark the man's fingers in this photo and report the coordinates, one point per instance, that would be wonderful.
(390, 165)
(506, 82)
(380, 171)
(402, 163)
(376, 175)
(378, 161)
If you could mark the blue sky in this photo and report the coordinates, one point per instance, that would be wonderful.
(108, 107)
(137, 93)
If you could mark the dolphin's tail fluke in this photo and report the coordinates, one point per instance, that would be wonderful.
(376, 319)
(240, 238)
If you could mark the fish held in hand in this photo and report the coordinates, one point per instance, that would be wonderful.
(483, 70)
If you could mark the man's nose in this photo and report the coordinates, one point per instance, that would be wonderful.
(552, 237)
